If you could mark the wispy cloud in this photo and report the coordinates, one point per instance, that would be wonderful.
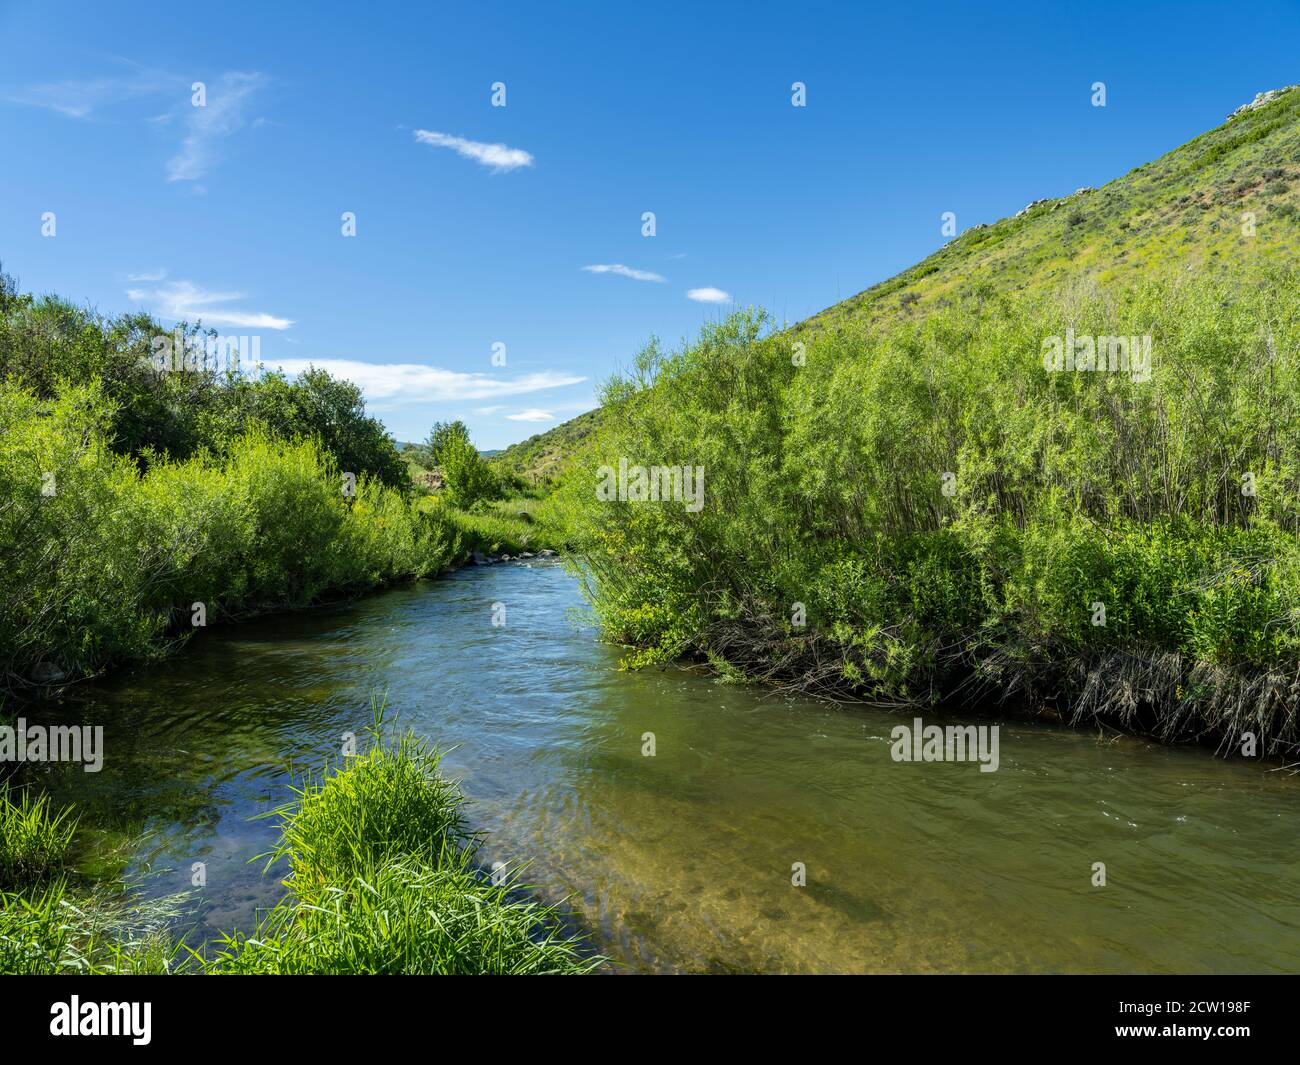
(156, 275)
(226, 103)
(186, 301)
(708, 295)
(392, 384)
(82, 98)
(533, 415)
(624, 271)
(207, 126)
(487, 412)
(497, 156)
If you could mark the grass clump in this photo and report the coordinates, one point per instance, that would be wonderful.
(383, 879)
(50, 925)
(34, 838)
(57, 930)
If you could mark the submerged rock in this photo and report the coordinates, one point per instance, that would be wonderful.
(48, 673)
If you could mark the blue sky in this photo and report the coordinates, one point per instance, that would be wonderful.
(232, 212)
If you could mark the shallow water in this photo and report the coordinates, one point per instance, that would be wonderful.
(683, 861)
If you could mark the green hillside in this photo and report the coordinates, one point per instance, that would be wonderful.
(1185, 209)
(542, 457)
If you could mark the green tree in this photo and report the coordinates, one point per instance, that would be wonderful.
(440, 436)
(466, 477)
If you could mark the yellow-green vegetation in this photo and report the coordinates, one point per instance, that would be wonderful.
(904, 502)
(382, 878)
(1191, 209)
(34, 838)
(494, 510)
(53, 921)
(541, 459)
(102, 556)
(504, 526)
(139, 502)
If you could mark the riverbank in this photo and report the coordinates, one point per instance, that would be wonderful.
(145, 499)
(1114, 548)
(106, 560)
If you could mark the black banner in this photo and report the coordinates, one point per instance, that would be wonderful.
(146, 1014)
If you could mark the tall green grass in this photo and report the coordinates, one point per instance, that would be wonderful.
(48, 924)
(34, 837)
(383, 878)
(510, 526)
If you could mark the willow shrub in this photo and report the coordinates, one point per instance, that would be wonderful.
(928, 497)
(101, 558)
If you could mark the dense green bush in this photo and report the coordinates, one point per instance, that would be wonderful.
(937, 506)
(100, 558)
(467, 478)
(177, 401)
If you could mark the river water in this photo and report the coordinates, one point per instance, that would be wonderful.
(683, 861)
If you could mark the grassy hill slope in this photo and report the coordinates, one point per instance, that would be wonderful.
(1185, 209)
(542, 457)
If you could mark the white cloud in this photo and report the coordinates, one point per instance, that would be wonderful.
(487, 412)
(708, 295)
(396, 383)
(82, 98)
(624, 271)
(156, 275)
(497, 156)
(227, 100)
(185, 300)
(532, 415)
(205, 126)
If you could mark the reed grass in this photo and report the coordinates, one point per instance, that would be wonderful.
(384, 878)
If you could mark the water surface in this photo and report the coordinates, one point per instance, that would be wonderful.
(683, 861)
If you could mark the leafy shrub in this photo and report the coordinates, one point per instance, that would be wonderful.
(937, 500)
(467, 477)
(100, 559)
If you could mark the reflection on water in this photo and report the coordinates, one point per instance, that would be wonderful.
(683, 861)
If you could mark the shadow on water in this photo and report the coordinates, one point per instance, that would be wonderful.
(683, 861)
